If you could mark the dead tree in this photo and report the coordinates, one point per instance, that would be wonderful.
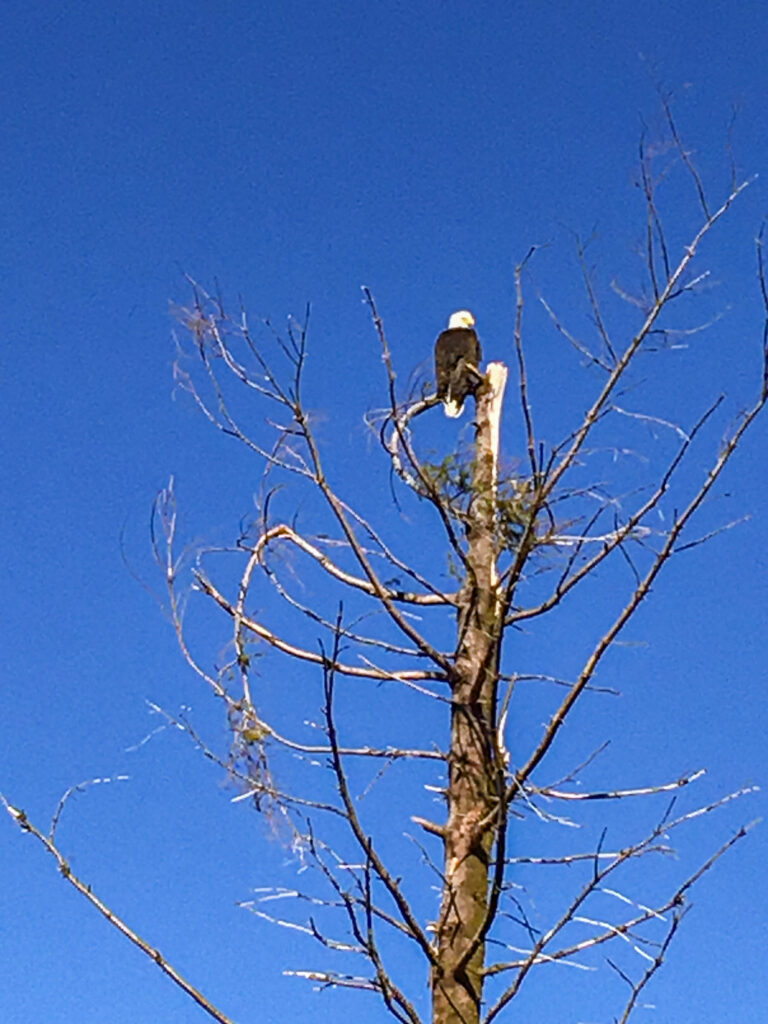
(520, 542)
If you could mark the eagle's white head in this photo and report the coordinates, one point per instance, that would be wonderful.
(462, 318)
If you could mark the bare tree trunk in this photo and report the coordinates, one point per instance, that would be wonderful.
(475, 769)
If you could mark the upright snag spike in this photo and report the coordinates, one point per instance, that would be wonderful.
(474, 831)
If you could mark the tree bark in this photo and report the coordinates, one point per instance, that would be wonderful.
(474, 764)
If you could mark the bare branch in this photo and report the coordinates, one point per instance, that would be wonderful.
(538, 954)
(618, 794)
(685, 156)
(578, 345)
(363, 840)
(79, 788)
(538, 534)
(525, 405)
(644, 586)
(285, 532)
(117, 922)
(304, 655)
(626, 358)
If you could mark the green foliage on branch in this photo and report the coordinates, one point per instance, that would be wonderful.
(451, 480)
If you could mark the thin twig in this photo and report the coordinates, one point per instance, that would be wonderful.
(85, 890)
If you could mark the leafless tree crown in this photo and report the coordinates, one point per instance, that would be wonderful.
(526, 525)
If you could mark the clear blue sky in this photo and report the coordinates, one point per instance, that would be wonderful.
(293, 152)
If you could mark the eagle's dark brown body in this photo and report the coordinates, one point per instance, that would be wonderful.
(457, 365)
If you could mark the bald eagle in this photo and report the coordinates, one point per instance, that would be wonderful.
(457, 362)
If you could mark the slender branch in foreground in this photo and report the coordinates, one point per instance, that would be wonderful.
(85, 890)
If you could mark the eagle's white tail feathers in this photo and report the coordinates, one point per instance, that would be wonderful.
(452, 408)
